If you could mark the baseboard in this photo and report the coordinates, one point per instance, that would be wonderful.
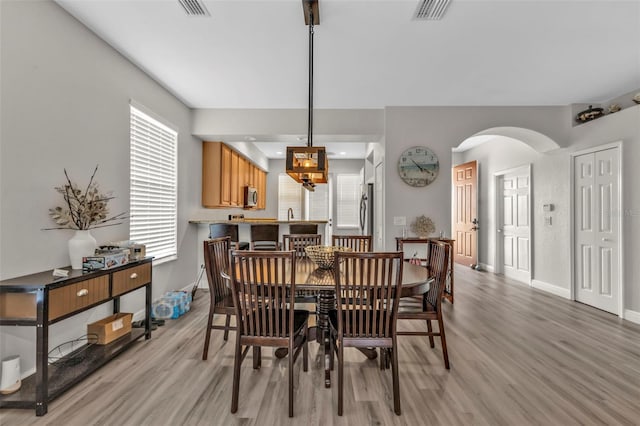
(486, 267)
(550, 288)
(632, 316)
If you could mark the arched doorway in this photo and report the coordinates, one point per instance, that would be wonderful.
(503, 157)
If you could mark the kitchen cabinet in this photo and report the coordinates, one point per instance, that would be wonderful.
(225, 173)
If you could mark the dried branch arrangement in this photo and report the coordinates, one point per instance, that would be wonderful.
(83, 210)
(423, 226)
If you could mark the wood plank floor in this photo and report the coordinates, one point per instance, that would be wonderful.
(518, 357)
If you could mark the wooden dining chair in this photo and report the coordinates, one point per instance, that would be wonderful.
(354, 242)
(216, 261)
(218, 230)
(303, 228)
(429, 307)
(298, 242)
(265, 237)
(265, 311)
(366, 284)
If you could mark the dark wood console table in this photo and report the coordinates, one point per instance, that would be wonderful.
(39, 300)
(400, 242)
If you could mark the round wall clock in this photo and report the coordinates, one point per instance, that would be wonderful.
(418, 166)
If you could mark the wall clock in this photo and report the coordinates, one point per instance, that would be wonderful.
(418, 166)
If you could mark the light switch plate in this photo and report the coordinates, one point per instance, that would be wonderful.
(400, 220)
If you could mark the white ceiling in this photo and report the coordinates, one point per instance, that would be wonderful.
(372, 54)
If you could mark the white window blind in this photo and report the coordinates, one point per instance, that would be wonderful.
(154, 185)
(318, 203)
(289, 196)
(348, 200)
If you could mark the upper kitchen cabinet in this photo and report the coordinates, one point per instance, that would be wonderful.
(225, 174)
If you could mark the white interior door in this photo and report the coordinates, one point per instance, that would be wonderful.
(514, 227)
(597, 229)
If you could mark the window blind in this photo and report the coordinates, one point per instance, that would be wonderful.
(348, 200)
(154, 185)
(318, 203)
(289, 196)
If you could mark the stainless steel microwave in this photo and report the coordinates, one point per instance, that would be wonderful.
(250, 196)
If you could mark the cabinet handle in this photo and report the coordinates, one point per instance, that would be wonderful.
(82, 292)
(134, 276)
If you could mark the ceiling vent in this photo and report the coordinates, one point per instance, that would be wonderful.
(194, 8)
(431, 10)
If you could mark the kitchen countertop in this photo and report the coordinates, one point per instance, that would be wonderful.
(258, 220)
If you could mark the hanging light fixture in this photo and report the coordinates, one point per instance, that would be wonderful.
(308, 165)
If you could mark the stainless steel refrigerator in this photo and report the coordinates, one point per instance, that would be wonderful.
(366, 210)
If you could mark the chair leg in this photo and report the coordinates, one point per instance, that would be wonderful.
(430, 329)
(257, 357)
(227, 323)
(443, 339)
(396, 380)
(237, 362)
(290, 358)
(340, 378)
(207, 337)
(305, 351)
(332, 349)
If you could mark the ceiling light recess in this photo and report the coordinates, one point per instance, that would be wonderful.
(308, 165)
(431, 10)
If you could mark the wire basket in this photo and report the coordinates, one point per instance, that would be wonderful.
(323, 255)
(72, 352)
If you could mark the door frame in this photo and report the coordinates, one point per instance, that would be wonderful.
(498, 213)
(619, 208)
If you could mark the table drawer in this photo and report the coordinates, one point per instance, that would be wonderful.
(132, 278)
(73, 297)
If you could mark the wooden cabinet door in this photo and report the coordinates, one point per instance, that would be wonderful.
(225, 176)
(262, 189)
(243, 179)
(211, 159)
(235, 196)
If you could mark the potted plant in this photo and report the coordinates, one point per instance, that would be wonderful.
(82, 210)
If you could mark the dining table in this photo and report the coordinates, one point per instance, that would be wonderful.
(319, 282)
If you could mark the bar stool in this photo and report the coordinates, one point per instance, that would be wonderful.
(219, 230)
(265, 237)
(300, 228)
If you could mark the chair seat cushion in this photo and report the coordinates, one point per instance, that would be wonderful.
(300, 317)
(355, 319)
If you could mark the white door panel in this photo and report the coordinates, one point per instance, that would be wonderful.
(597, 231)
(514, 187)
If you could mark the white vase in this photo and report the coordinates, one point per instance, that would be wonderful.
(82, 244)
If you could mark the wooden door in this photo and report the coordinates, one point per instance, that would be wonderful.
(465, 208)
(597, 229)
(514, 224)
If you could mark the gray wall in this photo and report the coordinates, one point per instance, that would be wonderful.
(444, 128)
(65, 104)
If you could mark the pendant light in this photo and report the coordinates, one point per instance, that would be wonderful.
(308, 165)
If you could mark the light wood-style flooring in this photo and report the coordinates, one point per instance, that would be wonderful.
(518, 357)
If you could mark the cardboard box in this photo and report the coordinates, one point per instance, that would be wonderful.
(110, 328)
(104, 261)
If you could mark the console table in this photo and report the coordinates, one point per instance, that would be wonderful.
(39, 300)
(400, 242)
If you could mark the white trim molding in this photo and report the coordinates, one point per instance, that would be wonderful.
(551, 288)
(632, 316)
(486, 267)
